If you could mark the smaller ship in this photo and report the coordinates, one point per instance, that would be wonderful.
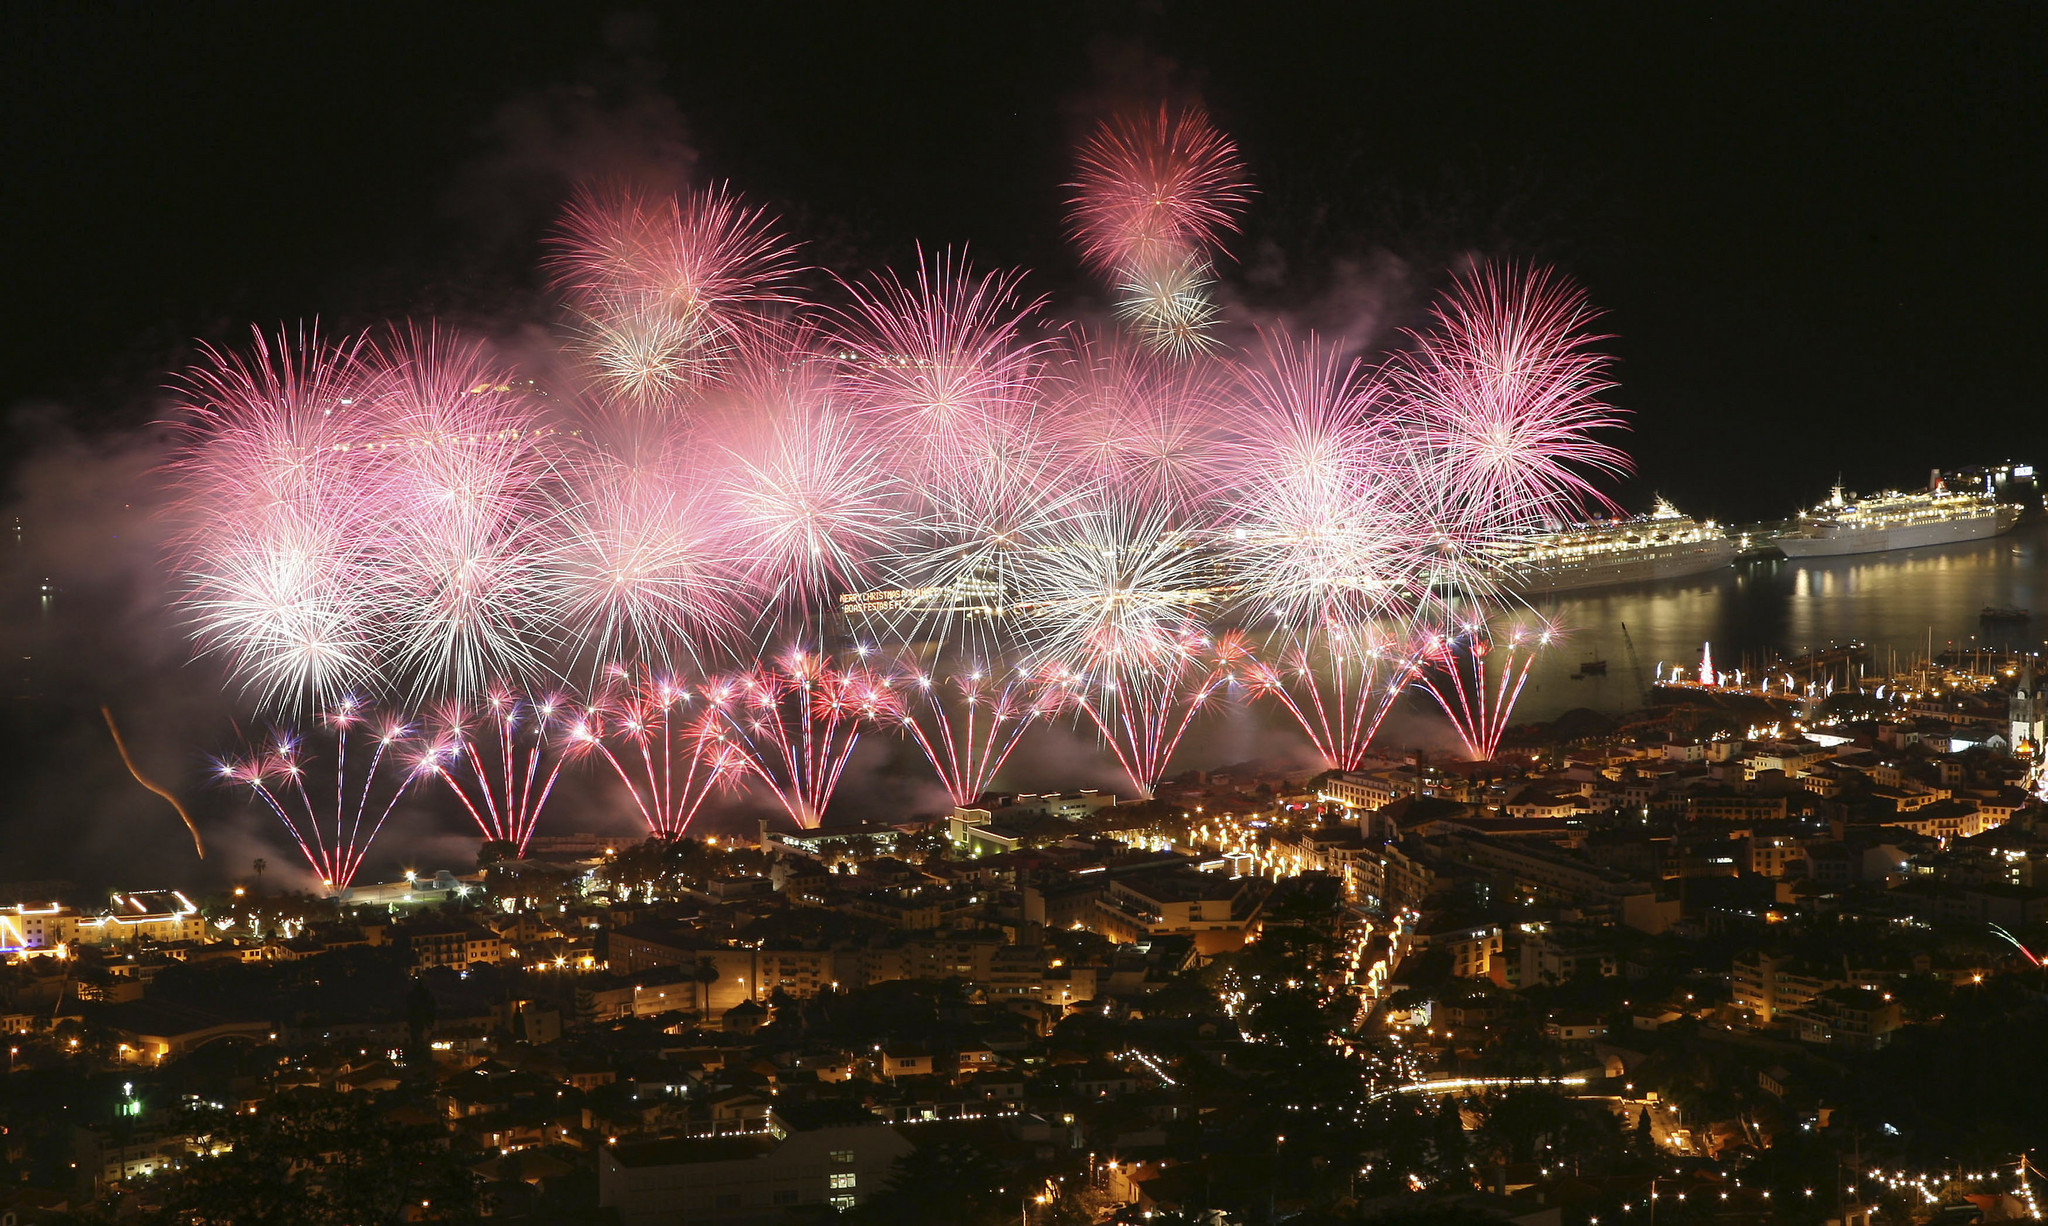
(1847, 524)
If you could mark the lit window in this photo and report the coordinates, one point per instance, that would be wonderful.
(844, 1180)
(843, 1202)
(842, 1157)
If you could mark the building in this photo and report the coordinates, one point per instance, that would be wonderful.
(829, 1154)
(157, 915)
(455, 947)
(1767, 985)
(1357, 790)
(1472, 948)
(37, 928)
(1218, 911)
(1861, 1019)
(2027, 715)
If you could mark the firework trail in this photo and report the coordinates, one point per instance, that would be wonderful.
(966, 720)
(1144, 693)
(665, 291)
(795, 720)
(121, 747)
(1509, 391)
(274, 543)
(1337, 682)
(501, 760)
(672, 756)
(334, 839)
(1477, 679)
(462, 492)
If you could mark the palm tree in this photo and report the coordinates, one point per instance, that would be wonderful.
(705, 975)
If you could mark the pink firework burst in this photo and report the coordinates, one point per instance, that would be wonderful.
(939, 364)
(1155, 189)
(1323, 525)
(276, 547)
(666, 744)
(291, 775)
(813, 498)
(1477, 678)
(642, 555)
(796, 720)
(665, 289)
(966, 718)
(464, 476)
(1507, 389)
(1146, 424)
(502, 757)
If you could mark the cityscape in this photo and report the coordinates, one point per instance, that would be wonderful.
(679, 709)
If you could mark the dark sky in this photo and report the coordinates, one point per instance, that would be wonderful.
(1816, 228)
(1816, 231)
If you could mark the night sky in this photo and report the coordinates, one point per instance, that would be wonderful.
(1817, 233)
(1815, 230)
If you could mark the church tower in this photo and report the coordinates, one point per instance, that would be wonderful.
(2028, 714)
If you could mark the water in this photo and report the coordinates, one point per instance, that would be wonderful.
(1750, 612)
(1892, 601)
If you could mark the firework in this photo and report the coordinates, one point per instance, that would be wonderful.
(1156, 188)
(502, 758)
(1145, 425)
(1477, 678)
(274, 545)
(1036, 518)
(289, 776)
(813, 500)
(666, 291)
(795, 720)
(670, 752)
(1508, 390)
(462, 476)
(938, 364)
(1153, 198)
(1337, 682)
(1169, 305)
(1143, 694)
(967, 719)
(641, 556)
(1322, 524)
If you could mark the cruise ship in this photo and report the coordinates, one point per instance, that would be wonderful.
(1891, 520)
(1665, 544)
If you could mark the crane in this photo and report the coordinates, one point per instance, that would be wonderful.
(1635, 662)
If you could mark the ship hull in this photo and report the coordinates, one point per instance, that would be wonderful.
(1673, 563)
(1831, 542)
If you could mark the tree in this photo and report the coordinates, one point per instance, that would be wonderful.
(316, 1158)
(704, 974)
(259, 866)
(419, 1019)
(942, 1184)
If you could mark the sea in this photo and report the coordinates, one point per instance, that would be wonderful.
(1901, 604)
